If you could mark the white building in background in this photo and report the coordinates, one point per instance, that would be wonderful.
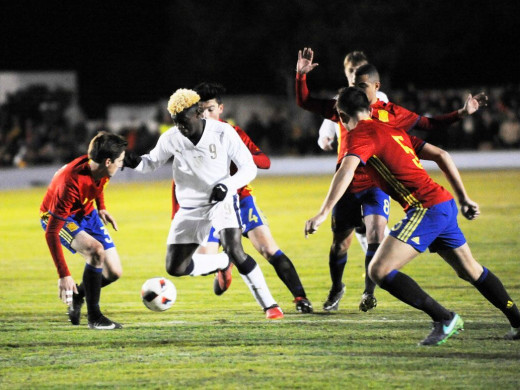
(12, 81)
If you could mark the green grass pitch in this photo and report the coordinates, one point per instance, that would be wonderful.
(205, 341)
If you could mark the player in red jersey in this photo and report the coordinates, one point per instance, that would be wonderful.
(431, 216)
(363, 194)
(69, 218)
(255, 225)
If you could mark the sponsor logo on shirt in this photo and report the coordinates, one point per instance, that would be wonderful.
(383, 115)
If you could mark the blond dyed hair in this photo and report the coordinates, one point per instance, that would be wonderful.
(181, 100)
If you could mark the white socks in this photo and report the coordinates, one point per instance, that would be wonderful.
(256, 283)
(208, 264)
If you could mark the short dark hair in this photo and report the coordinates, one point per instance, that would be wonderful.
(208, 91)
(355, 58)
(370, 70)
(352, 100)
(106, 145)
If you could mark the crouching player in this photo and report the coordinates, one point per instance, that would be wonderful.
(431, 216)
(69, 218)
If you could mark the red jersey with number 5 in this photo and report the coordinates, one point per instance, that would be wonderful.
(391, 162)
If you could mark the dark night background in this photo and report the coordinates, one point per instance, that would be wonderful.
(141, 51)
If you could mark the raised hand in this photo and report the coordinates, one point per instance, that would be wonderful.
(305, 64)
(473, 103)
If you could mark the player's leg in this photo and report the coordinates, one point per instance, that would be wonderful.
(346, 215)
(250, 271)
(94, 253)
(264, 243)
(210, 246)
(258, 232)
(112, 270)
(361, 235)
(384, 269)
(489, 285)
(188, 230)
(416, 232)
(338, 257)
(376, 209)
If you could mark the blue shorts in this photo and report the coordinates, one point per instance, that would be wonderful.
(351, 208)
(90, 224)
(251, 216)
(435, 228)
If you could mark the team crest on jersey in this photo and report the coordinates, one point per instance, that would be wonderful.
(72, 227)
(382, 115)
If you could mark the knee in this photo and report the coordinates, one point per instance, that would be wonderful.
(96, 254)
(340, 247)
(175, 268)
(236, 254)
(113, 275)
(376, 272)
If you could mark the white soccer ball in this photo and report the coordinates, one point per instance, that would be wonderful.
(158, 294)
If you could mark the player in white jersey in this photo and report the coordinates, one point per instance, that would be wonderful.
(202, 151)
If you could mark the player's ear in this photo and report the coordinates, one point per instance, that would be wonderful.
(108, 161)
(221, 108)
(377, 85)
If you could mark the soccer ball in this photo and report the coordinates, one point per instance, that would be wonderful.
(158, 294)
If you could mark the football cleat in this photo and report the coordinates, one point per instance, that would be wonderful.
(443, 330)
(368, 302)
(74, 310)
(222, 280)
(103, 323)
(303, 305)
(513, 334)
(273, 313)
(332, 302)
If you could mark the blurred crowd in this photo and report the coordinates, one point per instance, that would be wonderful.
(43, 126)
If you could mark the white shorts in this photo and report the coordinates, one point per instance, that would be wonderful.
(192, 225)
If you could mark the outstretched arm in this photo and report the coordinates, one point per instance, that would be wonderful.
(323, 107)
(442, 158)
(472, 105)
(338, 186)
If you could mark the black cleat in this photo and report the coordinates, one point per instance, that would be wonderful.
(513, 334)
(443, 330)
(303, 305)
(332, 302)
(103, 323)
(368, 302)
(74, 310)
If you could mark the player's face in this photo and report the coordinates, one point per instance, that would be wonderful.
(114, 166)
(188, 121)
(350, 72)
(370, 87)
(211, 109)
